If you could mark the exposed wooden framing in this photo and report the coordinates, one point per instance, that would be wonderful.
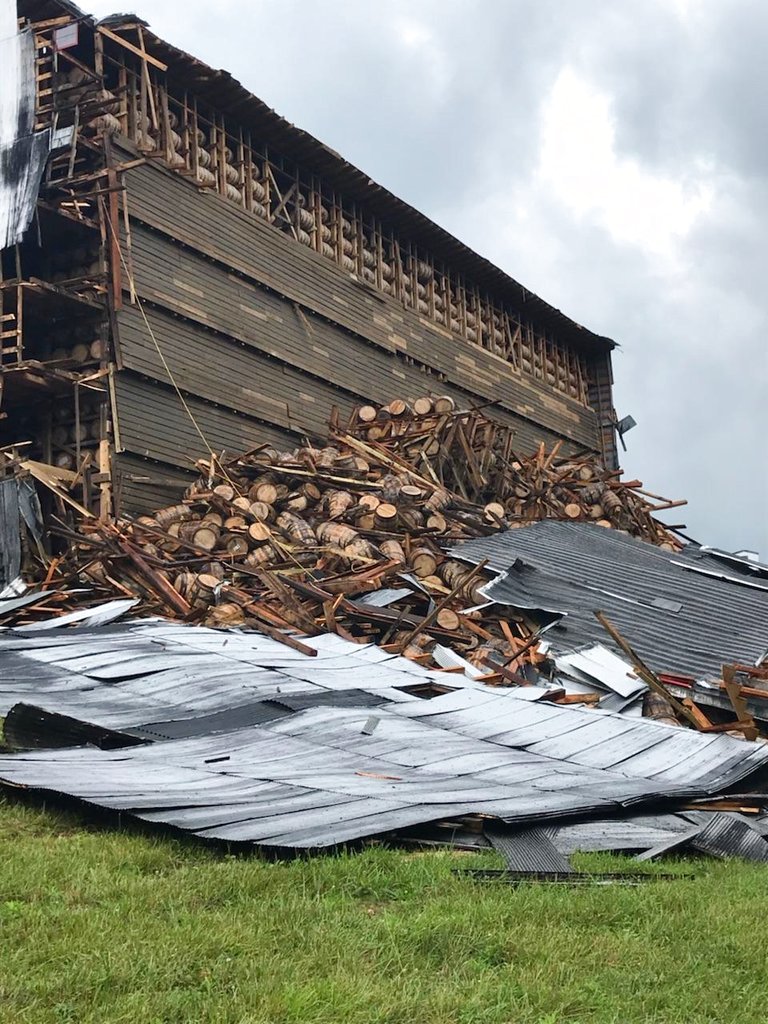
(461, 302)
(221, 154)
(167, 138)
(142, 53)
(122, 78)
(317, 210)
(357, 241)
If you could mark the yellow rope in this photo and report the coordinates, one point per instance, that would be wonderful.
(172, 379)
(163, 360)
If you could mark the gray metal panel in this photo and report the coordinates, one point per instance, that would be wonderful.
(728, 836)
(528, 850)
(636, 832)
(579, 736)
(387, 779)
(319, 777)
(578, 568)
(10, 535)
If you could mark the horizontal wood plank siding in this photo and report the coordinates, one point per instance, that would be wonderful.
(153, 424)
(247, 375)
(224, 253)
(229, 373)
(143, 485)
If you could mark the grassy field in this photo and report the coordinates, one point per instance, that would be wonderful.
(99, 926)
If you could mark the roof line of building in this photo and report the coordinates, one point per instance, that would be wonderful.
(221, 90)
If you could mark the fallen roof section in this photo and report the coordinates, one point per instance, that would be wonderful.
(319, 778)
(685, 612)
(153, 672)
(231, 736)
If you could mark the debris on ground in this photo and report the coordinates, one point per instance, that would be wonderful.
(411, 632)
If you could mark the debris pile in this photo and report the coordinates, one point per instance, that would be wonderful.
(398, 537)
(472, 457)
(353, 537)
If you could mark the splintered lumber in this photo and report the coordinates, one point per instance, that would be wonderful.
(292, 540)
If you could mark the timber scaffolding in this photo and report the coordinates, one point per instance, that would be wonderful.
(202, 274)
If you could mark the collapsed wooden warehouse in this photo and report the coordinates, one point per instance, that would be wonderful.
(201, 272)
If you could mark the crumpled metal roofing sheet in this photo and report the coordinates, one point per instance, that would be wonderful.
(578, 568)
(153, 671)
(296, 775)
(636, 748)
(315, 779)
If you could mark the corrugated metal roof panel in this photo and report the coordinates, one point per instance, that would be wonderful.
(321, 776)
(579, 568)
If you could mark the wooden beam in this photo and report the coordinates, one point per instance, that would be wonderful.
(653, 682)
(133, 49)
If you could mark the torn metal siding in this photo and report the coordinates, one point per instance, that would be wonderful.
(18, 503)
(10, 534)
(679, 619)
(578, 736)
(23, 152)
(145, 673)
(315, 779)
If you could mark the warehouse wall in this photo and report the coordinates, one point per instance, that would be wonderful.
(255, 327)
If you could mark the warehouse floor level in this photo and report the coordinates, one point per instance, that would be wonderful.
(105, 927)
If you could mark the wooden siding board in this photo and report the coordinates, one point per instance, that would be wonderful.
(192, 351)
(142, 485)
(168, 276)
(222, 232)
(153, 424)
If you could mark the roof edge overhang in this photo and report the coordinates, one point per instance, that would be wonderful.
(221, 90)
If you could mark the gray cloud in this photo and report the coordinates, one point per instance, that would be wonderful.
(442, 102)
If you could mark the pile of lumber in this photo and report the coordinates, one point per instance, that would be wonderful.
(351, 537)
(473, 457)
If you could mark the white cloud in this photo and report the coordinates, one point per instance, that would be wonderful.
(580, 166)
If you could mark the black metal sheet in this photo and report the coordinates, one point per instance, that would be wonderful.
(578, 568)
(729, 836)
(528, 850)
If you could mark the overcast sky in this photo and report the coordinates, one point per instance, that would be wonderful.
(608, 154)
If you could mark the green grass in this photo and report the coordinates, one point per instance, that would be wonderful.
(99, 926)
